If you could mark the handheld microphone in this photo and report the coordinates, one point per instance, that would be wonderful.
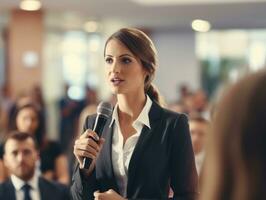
(104, 111)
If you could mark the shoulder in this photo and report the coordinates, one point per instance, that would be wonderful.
(169, 115)
(52, 187)
(6, 186)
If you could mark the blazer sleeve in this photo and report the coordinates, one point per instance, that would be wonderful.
(184, 178)
(82, 188)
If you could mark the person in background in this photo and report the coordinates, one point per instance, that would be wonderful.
(68, 122)
(235, 155)
(53, 163)
(199, 127)
(145, 149)
(20, 157)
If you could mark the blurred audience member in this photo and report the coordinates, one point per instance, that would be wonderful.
(5, 99)
(177, 107)
(198, 130)
(184, 91)
(69, 112)
(20, 158)
(236, 152)
(37, 97)
(200, 102)
(54, 165)
(3, 123)
(5, 106)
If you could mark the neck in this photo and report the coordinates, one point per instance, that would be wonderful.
(130, 106)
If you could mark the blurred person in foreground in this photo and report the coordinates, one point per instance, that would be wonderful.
(144, 148)
(236, 152)
(20, 157)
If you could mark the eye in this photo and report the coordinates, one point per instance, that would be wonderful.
(27, 152)
(109, 60)
(14, 153)
(126, 60)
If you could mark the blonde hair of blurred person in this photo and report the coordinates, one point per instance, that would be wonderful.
(27, 118)
(236, 154)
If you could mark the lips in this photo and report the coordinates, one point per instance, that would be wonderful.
(116, 81)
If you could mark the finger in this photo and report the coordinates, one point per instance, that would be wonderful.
(85, 134)
(101, 142)
(86, 148)
(96, 193)
(109, 191)
(93, 135)
(83, 154)
(87, 142)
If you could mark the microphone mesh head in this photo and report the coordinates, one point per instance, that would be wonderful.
(105, 108)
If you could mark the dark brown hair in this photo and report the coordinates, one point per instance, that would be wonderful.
(143, 48)
(236, 154)
(39, 133)
(20, 136)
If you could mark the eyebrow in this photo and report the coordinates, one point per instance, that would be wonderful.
(121, 55)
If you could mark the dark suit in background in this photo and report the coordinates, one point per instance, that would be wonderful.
(48, 190)
(163, 156)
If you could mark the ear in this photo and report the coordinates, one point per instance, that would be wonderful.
(147, 77)
(38, 155)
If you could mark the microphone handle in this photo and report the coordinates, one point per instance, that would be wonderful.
(98, 128)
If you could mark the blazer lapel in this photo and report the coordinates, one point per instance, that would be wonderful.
(154, 116)
(10, 192)
(106, 153)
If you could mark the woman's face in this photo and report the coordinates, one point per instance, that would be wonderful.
(125, 72)
(27, 120)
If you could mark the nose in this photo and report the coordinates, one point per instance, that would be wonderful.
(28, 122)
(115, 68)
(20, 157)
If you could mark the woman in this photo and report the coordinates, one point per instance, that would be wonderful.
(53, 164)
(144, 149)
(236, 154)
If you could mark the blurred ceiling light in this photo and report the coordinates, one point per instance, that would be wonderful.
(200, 25)
(91, 26)
(30, 5)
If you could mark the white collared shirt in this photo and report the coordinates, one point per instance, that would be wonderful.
(199, 159)
(121, 155)
(34, 183)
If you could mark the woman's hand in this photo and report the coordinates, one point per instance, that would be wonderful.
(87, 147)
(108, 195)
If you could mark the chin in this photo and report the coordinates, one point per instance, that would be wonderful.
(117, 91)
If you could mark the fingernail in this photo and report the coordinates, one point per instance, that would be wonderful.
(96, 137)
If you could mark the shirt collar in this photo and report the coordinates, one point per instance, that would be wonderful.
(19, 183)
(143, 118)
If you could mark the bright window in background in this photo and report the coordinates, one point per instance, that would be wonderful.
(227, 55)
(79, 62)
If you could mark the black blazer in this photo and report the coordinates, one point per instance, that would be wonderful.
(49, 190)
(163, 157)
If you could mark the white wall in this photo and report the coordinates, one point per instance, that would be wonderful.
(177, 62)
